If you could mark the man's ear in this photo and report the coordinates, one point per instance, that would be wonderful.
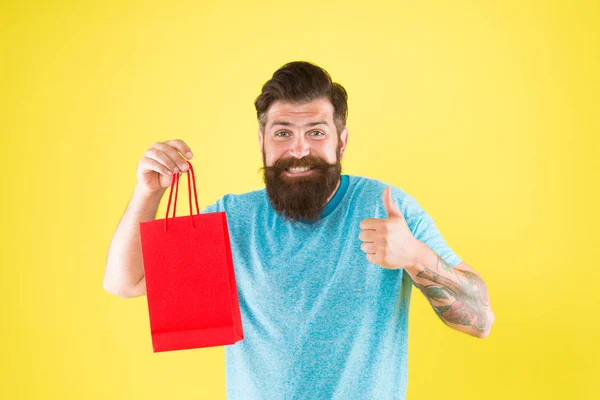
(343, 142)
(260, 140)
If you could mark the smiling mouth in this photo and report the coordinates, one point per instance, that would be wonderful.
(295, 170)
(298, 171)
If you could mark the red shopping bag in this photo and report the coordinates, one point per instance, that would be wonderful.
(190, 282)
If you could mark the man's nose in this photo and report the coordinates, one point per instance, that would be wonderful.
(300, 147)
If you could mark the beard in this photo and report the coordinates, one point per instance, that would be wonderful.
(301, 197)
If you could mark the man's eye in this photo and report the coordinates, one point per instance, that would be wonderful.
(318, 132)
(277, 134)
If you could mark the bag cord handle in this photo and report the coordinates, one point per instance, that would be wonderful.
(175, 183)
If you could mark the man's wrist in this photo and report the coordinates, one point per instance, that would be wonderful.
(144, 194)
(423, 257)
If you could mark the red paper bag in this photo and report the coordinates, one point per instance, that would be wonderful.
(190, 281)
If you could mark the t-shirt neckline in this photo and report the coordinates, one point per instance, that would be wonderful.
(333, 203)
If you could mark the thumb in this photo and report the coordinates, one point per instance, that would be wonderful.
(390, 205)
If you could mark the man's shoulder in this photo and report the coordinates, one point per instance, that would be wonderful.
(369, 194)
(248, 196)
(233, 202)
(245, 200)
(368, 186)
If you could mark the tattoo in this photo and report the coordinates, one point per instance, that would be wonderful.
(444, 265)
(457, 296)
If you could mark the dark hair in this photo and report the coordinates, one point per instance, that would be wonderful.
(302, 82)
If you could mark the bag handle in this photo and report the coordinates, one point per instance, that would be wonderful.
(175, 183)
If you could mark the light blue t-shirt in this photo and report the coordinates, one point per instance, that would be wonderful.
(319, 320)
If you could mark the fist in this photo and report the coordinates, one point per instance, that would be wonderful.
(388, 242)
(160, 162)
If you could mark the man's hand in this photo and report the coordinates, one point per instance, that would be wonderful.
(388, 242)
(159, 163)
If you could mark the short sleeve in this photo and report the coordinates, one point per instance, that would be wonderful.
(424, 229)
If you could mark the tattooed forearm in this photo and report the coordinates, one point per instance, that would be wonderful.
(457, 296)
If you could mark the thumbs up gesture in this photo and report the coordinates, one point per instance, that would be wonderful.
(388, 242)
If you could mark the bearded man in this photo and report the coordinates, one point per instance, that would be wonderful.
(324, 262)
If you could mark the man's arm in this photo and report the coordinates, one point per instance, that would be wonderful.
(458, 295)
(124, 275)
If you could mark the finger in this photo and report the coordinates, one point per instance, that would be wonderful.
(369, 248)
(367, 236)
(390, 205)
(182, 147)
(373, 258)
(161, 157)
(153, 165)
(173, 154)
(370, 223)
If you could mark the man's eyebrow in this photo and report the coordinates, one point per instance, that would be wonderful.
(285, 123)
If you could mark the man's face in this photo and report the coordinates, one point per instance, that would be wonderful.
(298, 137)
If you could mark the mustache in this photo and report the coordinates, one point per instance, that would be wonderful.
(304, 162)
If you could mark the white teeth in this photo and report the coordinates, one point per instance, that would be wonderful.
(298, 170)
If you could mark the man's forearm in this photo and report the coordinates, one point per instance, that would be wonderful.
(460, 298)
(124, 263)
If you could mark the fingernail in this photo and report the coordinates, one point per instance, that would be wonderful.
(189, 155)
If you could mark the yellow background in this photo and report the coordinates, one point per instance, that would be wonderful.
(485, 112)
